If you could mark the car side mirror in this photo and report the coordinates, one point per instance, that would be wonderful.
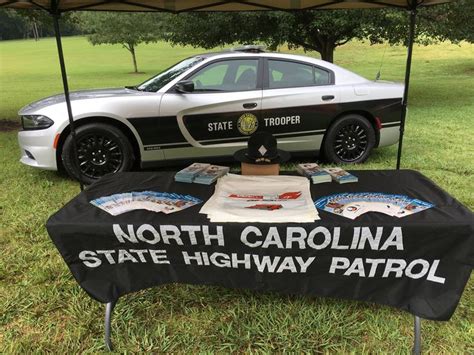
(184, 86)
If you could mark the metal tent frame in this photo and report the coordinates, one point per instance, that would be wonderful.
(57, 7)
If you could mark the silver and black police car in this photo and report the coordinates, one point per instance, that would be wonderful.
(205, 108)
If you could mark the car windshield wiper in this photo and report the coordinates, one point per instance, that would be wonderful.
(133, 88)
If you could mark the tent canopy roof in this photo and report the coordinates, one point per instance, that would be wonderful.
(176, 6)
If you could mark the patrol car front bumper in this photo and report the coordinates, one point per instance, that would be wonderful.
(37, 148)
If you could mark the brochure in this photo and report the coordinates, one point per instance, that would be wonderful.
(163, 202)
(352, 205)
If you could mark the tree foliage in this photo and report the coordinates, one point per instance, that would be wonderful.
(16, 24)
(453, 22)
(127, 29)
(322, 30)
(11, 25)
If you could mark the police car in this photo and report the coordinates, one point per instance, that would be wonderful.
(206, 107)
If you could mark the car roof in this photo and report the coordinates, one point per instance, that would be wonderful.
(242, 53)
(343, 76)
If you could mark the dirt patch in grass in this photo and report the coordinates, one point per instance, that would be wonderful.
(7, 125)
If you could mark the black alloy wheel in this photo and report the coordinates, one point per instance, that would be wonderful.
(349, 140)
(101, 149)
(98, 155)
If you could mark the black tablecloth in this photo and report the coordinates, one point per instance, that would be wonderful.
(419, 263)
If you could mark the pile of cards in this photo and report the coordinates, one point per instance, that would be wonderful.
(188, 174)
(314, 172)
(201, 173)
(145, 200)
(211, 174)
(352, 205)
(341, 176)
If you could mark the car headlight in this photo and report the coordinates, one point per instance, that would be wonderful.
(30, 122)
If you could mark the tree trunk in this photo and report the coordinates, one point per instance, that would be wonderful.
(327, 52)
(132, 50)
(35, 31)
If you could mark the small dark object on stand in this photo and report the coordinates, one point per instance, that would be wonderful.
(262, 156)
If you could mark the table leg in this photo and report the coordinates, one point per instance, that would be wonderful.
(109, 308)
(417, 337)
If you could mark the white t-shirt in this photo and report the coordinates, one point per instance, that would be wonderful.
(265, 199)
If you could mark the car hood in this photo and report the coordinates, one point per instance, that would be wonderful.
(78, 95)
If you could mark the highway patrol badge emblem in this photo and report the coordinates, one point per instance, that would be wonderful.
(247, 123)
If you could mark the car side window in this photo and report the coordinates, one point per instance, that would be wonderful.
(285, 74)
(227, 76)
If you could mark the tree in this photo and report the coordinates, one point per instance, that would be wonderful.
(127, 29)
(320, 31)
(453, 22)
(11, 25)
(16, 24)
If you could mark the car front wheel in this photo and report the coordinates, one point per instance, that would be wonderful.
(349, 140)
(101, 149)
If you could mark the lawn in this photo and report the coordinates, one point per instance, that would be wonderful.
(43, 310)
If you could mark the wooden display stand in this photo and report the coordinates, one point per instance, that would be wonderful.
(260, 169)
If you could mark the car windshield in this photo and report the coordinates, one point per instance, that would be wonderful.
(157, 82)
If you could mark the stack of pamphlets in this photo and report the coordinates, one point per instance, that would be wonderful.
(352, 205)
(145, 200)
(341, 176)
(210, 174)
(264, 199)
(188, 174)
(201, 173)
(314, 172)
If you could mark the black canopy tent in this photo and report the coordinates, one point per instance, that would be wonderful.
(57, 7)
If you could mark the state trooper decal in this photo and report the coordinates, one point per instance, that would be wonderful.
(282, 121)
(247, 124)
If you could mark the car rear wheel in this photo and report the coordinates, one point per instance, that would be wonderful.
(101, 149)
(349, 140)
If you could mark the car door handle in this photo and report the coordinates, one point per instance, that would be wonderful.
(250, 105)
(327, 97)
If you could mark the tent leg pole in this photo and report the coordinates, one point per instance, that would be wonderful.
(417, 337)
(109, 308)
(411, 38)
(57, 33)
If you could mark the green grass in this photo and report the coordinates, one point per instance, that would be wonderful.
(43, 310)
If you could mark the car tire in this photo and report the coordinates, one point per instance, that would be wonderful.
(350, 139)
(102, 149)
